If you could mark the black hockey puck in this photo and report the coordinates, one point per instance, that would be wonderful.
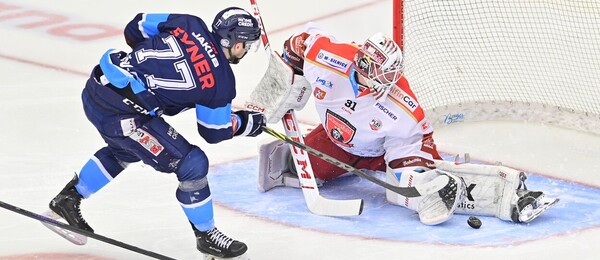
(474, 222)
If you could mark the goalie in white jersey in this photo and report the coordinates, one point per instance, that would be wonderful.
(371, 119)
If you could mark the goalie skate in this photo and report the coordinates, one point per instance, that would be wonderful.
(72, 237)
(531, 204)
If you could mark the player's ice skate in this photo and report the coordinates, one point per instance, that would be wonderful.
(65, 208)
(66, 234)
(216, 245)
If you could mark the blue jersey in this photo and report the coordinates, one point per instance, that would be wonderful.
(176, 64)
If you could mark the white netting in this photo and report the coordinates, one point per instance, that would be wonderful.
(494, 56)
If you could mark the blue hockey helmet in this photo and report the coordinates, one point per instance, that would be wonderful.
(233, 25)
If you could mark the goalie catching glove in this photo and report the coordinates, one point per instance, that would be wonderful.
(279, 91)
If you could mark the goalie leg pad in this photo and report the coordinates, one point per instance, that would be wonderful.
(499, 191)
(491, 189)
(434, 208)
(273, 165)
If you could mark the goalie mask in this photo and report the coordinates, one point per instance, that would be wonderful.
(379, 61)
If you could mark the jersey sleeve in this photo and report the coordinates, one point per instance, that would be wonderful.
(214, 123)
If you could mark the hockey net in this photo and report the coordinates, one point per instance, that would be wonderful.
(531, 60)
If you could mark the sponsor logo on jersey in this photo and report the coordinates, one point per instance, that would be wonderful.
(208, 47)
(385, 111)
(324, 82)
(333, 61)
(319, 94)
(375, 124)
(407, 101)
(172, 133)
(412, 161)
(199, 61)
(147, 141)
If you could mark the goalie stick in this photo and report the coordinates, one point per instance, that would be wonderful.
(428, 188)
(316, 203)
(47, 220)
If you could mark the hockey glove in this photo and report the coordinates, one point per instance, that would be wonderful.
(250, 123)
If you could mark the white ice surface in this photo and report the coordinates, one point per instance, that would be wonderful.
(45, 138)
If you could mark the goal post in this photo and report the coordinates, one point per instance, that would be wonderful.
(529, 60)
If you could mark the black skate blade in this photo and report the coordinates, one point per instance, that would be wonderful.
(72, 237)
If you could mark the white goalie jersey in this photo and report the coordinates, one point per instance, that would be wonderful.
(356, 121)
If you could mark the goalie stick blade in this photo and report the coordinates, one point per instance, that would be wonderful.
(74, 238)
(336, 208)
(73, 229)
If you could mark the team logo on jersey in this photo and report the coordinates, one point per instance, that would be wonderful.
(339, 130)
(319, 94)
(147, 141)
(333, 61)
(375, 124)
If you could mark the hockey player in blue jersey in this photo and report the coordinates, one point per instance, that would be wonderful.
(176, 63)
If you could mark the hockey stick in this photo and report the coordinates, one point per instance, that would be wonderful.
(433, 186)
(73, 229)
(314, 201)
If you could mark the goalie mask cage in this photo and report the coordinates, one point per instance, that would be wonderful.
(530, 60)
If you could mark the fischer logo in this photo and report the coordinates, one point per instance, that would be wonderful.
(386, 111)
